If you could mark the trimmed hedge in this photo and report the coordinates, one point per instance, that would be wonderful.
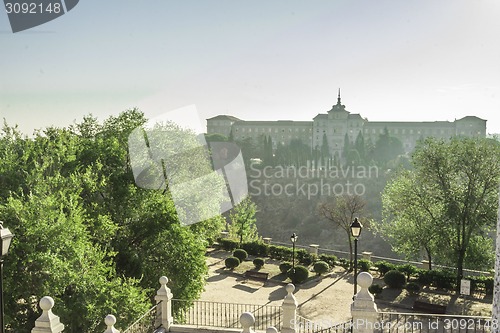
(240, 254)
(280, 252)
(481, 283)
(408, 269)
(258, 263)
(330, 259)
(305, 257)
(440, 279)
(364, 265)
(413, 288)
(232, 262)
(384, 267)
(300, 275)
(375, 289)
(285, 267)
(321, 267)
(344, 263)
(256, 248)
(395, 279)
(227, 244)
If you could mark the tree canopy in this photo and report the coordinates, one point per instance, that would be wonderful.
(85, 233)
(447, 203)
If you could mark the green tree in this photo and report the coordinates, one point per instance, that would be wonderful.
(458, 182)
(243, 221)
(360, 146)
(387, 148)
(325, 151)
(86, 233)
(409, 217)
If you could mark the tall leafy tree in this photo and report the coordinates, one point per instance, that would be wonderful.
(458, 182)
(243, 221)
(387, 148)
(410, 217)
(85, 232)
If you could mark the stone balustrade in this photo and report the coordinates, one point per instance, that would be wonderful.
(363, 310)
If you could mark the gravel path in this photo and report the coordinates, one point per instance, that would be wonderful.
(326, 298)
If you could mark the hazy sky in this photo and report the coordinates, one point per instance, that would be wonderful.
(411, 60)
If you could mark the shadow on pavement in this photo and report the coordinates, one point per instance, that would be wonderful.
(323, 290)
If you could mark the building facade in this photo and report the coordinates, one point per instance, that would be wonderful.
(338, 124)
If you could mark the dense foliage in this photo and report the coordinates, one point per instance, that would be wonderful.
(298, 275)
(258, 263)
(85, 233)
(447, 205)
(364, 265)
(394, 279)
(240, 254)
(232, 262)
(321, 267)
(285, 267)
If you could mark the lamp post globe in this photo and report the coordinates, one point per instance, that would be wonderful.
(5, 239)
(356, 228)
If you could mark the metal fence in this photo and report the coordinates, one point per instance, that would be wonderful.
(392, 322)
(225, 315)
(303, 325)
(146, 323)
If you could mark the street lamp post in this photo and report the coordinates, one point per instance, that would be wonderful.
(293, 238)
(5, 238)
(356, 228)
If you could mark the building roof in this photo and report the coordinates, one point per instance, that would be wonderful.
(354, 116)
(224, 117)
(470, 118)
(321, 115)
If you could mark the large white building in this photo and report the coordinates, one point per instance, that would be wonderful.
(338, 122)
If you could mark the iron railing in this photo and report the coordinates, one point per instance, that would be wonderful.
(224, 315)
(146, 323)
(392, 322)
(304, 325)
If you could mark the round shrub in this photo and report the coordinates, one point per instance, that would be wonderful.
(258, 262)
(285, 267)
(298, 275)
(364, 265)
(375, 289)
(232, 262)
(395, 279)
(240, 254)
(413, 288)
(321, 267)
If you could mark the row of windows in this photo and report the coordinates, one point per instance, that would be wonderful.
(410, 131)
(282, 137)
(270, 130)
